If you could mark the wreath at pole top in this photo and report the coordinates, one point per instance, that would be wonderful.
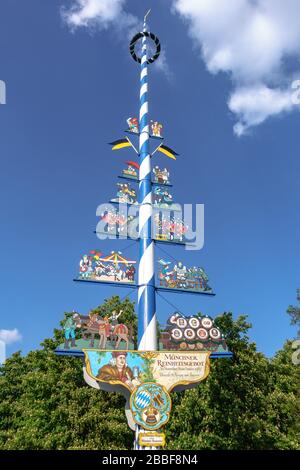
(147, 35)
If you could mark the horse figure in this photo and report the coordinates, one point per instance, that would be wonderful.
(99, 269)
(121, 332)
(91, 327)
(95, 325)
(104, 330)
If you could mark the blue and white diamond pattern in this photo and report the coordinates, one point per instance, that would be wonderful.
(142, 399)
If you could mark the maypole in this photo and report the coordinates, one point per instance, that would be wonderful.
(146, 282)
(148, 375)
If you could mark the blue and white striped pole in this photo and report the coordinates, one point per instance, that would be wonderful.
(147, 337)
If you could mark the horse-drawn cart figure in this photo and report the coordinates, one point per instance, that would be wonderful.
(95, 331)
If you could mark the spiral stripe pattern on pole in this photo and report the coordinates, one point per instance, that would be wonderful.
(147, 339)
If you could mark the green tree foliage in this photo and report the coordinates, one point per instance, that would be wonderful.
(45, 404)
(249, 402)
(294, 312)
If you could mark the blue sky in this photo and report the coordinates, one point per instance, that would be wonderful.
(68, 94)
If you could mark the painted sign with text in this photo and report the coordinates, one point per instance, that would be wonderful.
(147, 378)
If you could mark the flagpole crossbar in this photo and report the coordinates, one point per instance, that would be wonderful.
(112, 283)
(112, 236)
(136, 286)
(79, 353)
(136, 180)
(136, 204)
(156, 137)
(183, 291)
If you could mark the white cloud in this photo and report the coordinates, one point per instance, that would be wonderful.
(253, 105)
(162, 65)
(98, 13)
(10, 336)
(251, 40)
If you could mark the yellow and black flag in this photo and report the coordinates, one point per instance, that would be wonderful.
(167, 151)
(121, 143)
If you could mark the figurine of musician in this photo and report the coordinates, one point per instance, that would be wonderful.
(85, 266)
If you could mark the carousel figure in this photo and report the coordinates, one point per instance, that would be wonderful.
(118, 268)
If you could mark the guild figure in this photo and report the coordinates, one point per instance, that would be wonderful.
(156, 129)
(160, 196)
(133, 124)
(130, 272)
(161, 176)
(165, 176)
(193, 275)
(165, 275)
(130, 171)
(180, 229)
(167, 198)
(114, 317)
(181, 274)
(156, 174)
(125, 194)
(204, 279)
(85, 267)
(69, 327)
(171, 229)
